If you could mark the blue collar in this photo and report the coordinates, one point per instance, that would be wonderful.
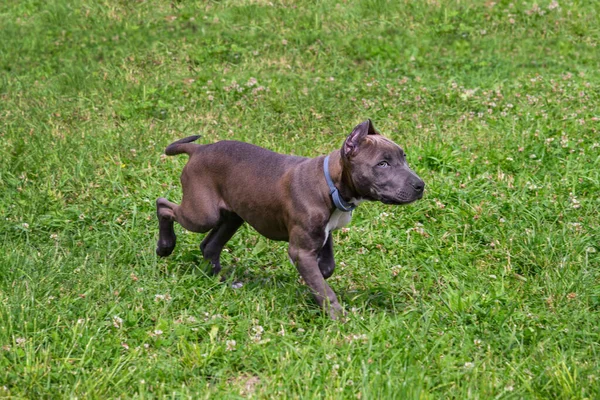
(339, 203)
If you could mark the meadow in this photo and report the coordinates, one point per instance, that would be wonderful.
(487, 288)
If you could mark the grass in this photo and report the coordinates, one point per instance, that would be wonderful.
(489, 287)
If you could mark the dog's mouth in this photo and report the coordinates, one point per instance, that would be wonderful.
(398, 202)
(402, 198)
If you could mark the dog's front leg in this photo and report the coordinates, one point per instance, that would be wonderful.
(304, 257)
(326, 259)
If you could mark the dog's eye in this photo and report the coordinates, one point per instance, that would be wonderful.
(383, 164)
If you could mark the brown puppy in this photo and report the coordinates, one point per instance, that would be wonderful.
(296, 199)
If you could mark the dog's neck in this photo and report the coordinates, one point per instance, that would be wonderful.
(342, 179)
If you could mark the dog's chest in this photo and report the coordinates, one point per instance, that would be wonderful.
(338, 220)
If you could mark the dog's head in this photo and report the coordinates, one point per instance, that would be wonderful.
(377, 168)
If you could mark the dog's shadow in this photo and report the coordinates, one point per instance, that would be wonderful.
(371, 297)
(374, 298)
(186, 264)
(265, 275)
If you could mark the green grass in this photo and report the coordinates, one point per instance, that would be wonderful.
(489, 287)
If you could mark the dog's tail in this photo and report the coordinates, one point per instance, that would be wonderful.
(182, 146)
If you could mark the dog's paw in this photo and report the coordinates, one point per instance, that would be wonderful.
(337, 313)
(164, 249)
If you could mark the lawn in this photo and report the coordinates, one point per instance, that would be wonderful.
(488, 287)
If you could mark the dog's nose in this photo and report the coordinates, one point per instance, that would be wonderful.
(418, 185)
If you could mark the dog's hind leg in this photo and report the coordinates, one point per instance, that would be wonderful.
(213, 243)
(166, 234)
(196, 219)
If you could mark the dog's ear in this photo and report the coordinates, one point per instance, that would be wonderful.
(359, 133)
